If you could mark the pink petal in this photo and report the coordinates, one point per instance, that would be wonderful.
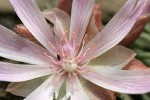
(30, 15)
(147, 8)
(14, 47)
(115, 58)
(46, 90)
(124, 81)
(75, 89)
(80, 16)
(60, 19)
(116, 29)
(25, 88)
(18, 73)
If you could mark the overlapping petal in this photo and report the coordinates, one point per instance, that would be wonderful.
(25, 88)
(75, 88)
(60, 19)
(18, 73)
(46, 90)
(14, 47)
(124, 81)
(80, 16)
(115, 58)
(32, 18)
(116, 29)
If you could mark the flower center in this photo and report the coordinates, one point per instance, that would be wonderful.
(69, 65)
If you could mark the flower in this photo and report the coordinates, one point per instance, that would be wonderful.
(66, 62)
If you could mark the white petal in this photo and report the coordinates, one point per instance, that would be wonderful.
(14, 47)
(80, 16)
(115, 58)
(116, 29)
(25, 88)
(75, 89)
(18, 73)
(46, 90)
(32, 18)
(124, 81)
(60, 19)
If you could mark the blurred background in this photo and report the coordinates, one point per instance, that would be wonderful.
(141, 46)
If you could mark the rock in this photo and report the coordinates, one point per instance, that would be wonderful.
(6, 7)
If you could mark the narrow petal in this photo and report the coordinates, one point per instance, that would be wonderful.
(18, 73)
(75, 89)
(124, 81)
(60, 19)
(30, 15)
(14, 47)
(80, 16)
(115, 58)
(25, 88)
(116, 29)
(47, 89)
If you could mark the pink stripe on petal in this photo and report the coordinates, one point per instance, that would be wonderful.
(18, 73)
(115, 31)
(46, 90)
(32, 18)
(75, 89)
(124, 81)
(14, 47)
(80, 16)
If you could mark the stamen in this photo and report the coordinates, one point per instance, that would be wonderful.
(64, 38)
(62, 52)
(84, 65)
(53, 60)
(62, 73)
(60, 70)
(83, 44)
(53, 48)
(82, 71)
(73, 44)
(81, 56)
(73, 39)
(86, 51)
(75, 73)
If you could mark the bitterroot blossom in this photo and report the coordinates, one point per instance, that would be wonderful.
(67, 61)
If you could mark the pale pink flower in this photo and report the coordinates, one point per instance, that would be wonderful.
(66, 62)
